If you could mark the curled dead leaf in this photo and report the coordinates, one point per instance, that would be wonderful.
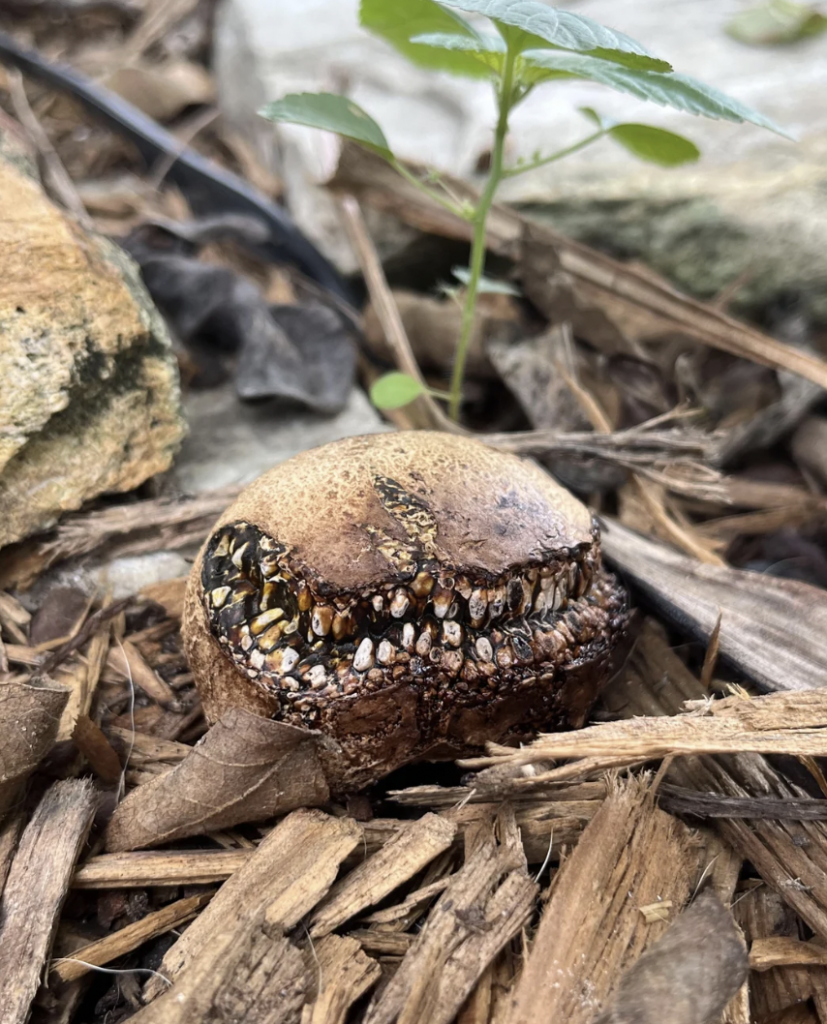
(29, 719)
(246, 768)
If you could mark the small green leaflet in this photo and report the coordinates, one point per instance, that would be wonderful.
(527, 25)
(673, 90)
(333, 114)
(776, 23)
(394, 390)
(485, 285)
(645, 141)
(488, 50)
(398, 22)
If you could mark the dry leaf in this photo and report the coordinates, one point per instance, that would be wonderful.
(163, 91)
(29, 719)
(694, 970)
(245, 769)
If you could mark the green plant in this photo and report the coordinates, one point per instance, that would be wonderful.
(533, 44)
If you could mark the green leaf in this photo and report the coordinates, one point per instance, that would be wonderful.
(656, 145)
(399, 21)
(487, 50)
(776, 22)
(673, 90)
(394, 390)
(333, 114)
(485, 285)
(528, 24)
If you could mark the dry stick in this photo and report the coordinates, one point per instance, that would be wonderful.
(35, 890)
(600, 421)
(61, 183)
(105, 950)
(387, 311)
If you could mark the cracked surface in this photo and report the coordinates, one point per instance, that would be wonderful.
(383, 617)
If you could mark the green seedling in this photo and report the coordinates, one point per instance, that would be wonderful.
(531, 45)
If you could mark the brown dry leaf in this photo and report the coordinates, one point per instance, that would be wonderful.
(245, 769)
(694, 970)
(774, 630)
(163, 91)
(29, 719)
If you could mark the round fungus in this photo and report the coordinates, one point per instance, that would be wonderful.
(410, 595)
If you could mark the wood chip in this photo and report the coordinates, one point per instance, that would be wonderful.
(773, 629)
(782, 951)
(125, 659)
(36, 888)
(128, 938)
(286, 876)
(630, 855)
(483, 907)
(408, 852)
(139, 870)
(345, 975)
(248, 971)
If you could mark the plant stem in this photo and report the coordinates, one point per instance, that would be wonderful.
(512, 172)
(454, 208)
(477, 261)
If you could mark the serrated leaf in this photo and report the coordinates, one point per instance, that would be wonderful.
(331, 113)
(487, 50)
(399, 21)
(527, 24)
(656, 145)
(682, 92)
(485, 285)
(394, 390)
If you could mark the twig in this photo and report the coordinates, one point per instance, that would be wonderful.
(387, 311)
(58, 178)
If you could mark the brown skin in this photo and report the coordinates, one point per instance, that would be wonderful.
(410, 595)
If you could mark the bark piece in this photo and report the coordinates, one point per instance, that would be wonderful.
(483, 907)
(689, 975)
(29, 720)
(774, 630)
(36, 888)
(128, 938)
(777, 723)
(345, 975)
(248, 971)
(245, 769)
(90, 386)
(127, 661)
(408, 852)
(293, 867)
(630, 855)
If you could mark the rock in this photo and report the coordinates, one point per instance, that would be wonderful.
(90, 395)
(754, 203)
(232, 442)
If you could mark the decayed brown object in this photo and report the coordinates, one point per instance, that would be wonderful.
(410, 595)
